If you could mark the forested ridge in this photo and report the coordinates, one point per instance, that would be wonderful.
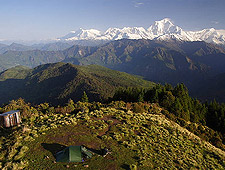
(180, 106)
(56, 83)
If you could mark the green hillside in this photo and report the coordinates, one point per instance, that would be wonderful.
(14, 47)
(30, 58)
(136, 140)
(56, 83)
(18, 72)
(159, 61)
(162, 61)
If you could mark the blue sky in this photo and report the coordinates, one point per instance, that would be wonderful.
(44, 19)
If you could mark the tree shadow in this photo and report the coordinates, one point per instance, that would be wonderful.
(125, 166)
(53, 147)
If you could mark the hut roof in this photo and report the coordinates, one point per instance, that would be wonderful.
(10, 112)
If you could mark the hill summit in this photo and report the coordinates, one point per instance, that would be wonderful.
(56, 83)
(143, 141)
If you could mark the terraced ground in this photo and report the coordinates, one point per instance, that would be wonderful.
(136, 141)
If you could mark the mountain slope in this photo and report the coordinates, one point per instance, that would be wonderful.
(82, 34)
(160, 61)
(56, 83)
(14, 47)
(29, 58)
(57, 46)
(212, 88)
(18, 72)
(2, 46)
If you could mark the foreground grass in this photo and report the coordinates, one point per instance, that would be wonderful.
(142, 140)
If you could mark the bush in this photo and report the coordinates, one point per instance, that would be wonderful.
(138, 108)
(133, 167)
(12, 153)
(110, 122)
(22, 152)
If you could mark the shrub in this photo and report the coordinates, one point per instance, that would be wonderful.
(22, 152)
(2, 154)
(12, 153)
(84, 97)
(110, 122)
(104, 137)
(133, 167)
(118, 104)
(138, 108)
(28, 138)
(8, 165)
(20, 165)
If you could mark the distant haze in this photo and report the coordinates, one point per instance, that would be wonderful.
(49, 19)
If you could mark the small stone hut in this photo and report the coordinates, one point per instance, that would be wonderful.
(11, 118)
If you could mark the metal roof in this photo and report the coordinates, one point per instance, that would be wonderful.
(10, 112)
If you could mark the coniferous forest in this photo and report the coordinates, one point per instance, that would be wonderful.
(180, 106)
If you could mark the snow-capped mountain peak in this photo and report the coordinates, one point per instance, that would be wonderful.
(221, 32)
(82, 34)
(164, 26)
(208, 35)
(162, 30)
(126, 32)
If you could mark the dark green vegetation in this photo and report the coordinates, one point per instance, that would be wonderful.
(162, 61)
(37, 54)
(29, 58)
(193, 63)
(142, 140)
(43, 47)
(52, 46)
(56, 83)
(18, 72)
(176, 100)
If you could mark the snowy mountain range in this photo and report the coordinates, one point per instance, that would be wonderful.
(160, 30)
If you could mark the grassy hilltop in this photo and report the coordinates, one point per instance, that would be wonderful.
(136, 140)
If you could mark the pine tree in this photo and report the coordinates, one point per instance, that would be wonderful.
(84, 97)
(71, 105)
(141, 96)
